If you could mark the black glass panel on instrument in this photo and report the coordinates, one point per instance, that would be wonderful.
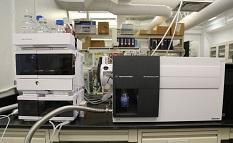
(56, 64)
(26, 64)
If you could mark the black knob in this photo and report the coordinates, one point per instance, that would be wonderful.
(37, 82)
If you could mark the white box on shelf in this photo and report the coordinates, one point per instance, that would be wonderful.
(85, 27)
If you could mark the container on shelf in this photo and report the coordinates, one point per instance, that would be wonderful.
(126, 42)
(103, 28)
(179, 29)
(160, 30)
(85, 27)
(60, 26)
(28, 25)
(127, 28)
(42, 26)
(86, 42)
(97, 43)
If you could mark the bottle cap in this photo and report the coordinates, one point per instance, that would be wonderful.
(38, 17)
(59, 22)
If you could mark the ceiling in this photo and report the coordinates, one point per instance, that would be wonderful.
(171, 3)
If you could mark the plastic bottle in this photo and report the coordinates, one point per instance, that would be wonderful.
(60, 26)
(42, 26)
(28, 25)
(124, 100)
(38, 17)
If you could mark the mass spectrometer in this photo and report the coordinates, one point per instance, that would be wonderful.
(167, 89)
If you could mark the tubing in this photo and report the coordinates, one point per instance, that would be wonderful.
(56, 112)
(8, 108)
(8, 89)
(117, 8)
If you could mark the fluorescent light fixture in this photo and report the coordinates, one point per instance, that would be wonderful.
(230, 19)
(103, 14)
(213, 18)
(77, 15)
(107, 39)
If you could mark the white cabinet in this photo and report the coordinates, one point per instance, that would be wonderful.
(21, 140)
(98, 136)
(179, 136)
(204, 139)
(18, 136)
(230, 52)
(218, 51)
(223, 50)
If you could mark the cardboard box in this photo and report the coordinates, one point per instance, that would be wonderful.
(97, 43)
(143, 32)
(161, 30)
(158, 30)
(86, 43)
(179, 29)
(103, 28)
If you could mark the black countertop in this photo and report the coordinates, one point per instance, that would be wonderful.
(104, 121)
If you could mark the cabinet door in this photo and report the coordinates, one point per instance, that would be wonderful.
(18, 136)
(213, 52)
(21, 140)
(230, 53)
(222, 51)
(201, 139)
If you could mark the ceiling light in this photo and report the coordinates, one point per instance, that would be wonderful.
(213, 18)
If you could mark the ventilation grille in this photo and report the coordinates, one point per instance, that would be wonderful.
(193, 6)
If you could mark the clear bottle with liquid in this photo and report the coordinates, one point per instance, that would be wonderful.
(28, 25)
(124, 99)
(42, 26)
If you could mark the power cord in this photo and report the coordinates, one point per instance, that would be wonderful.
(14, 112)
(8, 122)
(59, 126)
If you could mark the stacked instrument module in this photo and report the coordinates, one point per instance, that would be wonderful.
(49, 72)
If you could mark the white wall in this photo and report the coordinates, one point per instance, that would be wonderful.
(221, 36)
(194, 36)
(218, 31)
(6, 55)
(20, 7)
(225, 35)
